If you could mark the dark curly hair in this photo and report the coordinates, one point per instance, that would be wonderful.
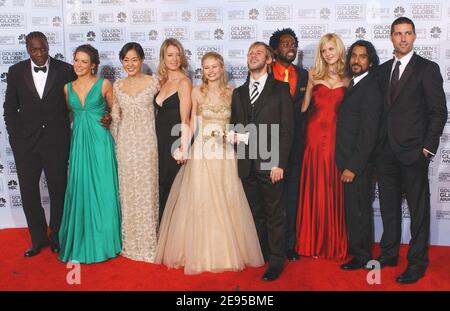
(92, 52)
(35, 35)
(374, 60)
(274, 40)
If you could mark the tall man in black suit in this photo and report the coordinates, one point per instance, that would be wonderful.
(413, 119)
(264, 107)
(356, 137)
(37, 121)
(284, 42)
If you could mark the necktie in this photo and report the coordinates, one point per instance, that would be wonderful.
(351, 84)
(255, 93)
(286, 75)
(43, 69)
(394, 79)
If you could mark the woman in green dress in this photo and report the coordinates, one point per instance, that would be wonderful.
(90, 228)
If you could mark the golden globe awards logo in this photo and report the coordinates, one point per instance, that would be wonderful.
(428, 11)
(143, 17)
(53, 37)
(15, 201)
(12, 20)
(443, 194)
(381, 32)
(209, 15)
(202, 50)
(311, 32)
(350, 12)
(112, 34)
(11, 165)
(150, 53)
(111, 73)
(242, 32)
(178, 32)
(79, 18)
(277, 13)
(430, 52)
(445, 156)
(238, 72)
(9, 57)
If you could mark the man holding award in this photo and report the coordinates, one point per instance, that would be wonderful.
(261, 109)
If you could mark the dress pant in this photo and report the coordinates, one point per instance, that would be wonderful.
(266, 203)
(30, 162)
(395, 178)
(291, 188)
(358, 199)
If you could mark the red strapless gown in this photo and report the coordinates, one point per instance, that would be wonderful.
(321, 220)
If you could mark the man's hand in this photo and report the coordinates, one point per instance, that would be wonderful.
(106, 120)
(276, 174)
(347, 176)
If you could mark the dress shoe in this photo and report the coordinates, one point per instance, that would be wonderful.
(409, 277)
(292, 255)
(34, 250)
(387, 261)
(54, 247)
(272, 274)
(354, 264)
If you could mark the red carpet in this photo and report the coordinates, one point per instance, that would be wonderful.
(45, 272)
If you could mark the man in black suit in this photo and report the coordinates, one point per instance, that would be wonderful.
(284, 42)
(37, 121)
(264, 107)
(413, 118)
(356, 137)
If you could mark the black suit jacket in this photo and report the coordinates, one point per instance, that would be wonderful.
(358, 125)
(417, 114)
(27, 115)
(298, 144)
(273, 106)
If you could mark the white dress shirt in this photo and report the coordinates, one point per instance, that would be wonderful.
(404, 62)
(359, 78)
(262, 81)
(40, 77)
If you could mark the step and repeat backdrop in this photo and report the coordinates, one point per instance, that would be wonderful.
(228, 27)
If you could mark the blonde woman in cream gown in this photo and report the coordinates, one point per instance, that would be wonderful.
(207, 224)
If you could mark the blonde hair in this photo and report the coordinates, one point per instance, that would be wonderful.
(223, 86)
(320, 65)
(162, 69)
